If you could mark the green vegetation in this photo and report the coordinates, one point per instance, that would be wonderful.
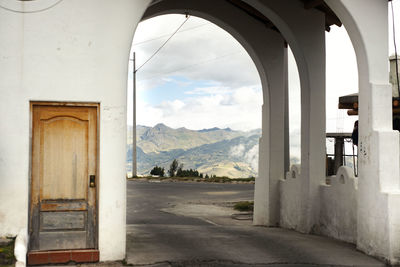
(7, 254)
(244, 206)
(213, 179)
(175, 171)
(173, 168)
(158, 171)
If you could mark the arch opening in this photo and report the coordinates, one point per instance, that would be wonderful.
(196, 85)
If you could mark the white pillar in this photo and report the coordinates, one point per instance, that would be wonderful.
(304, 30)
(272, 142)
(378, 220)
(313, 117)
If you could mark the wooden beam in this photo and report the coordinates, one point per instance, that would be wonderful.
(254, 13)
(352, 112)
(313, 3)
(327, 28)
(332, 19)
(345, 106)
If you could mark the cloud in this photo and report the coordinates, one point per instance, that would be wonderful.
(206, 51)
(209, 90)
(252, 157)
(206, 111)
(237, 151)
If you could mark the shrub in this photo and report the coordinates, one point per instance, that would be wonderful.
(158, 171)
(244, 206)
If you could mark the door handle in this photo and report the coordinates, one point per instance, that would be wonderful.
(92, 180)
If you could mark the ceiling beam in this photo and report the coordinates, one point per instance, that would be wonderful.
(254, 13)
(313, 3)
(332, 19)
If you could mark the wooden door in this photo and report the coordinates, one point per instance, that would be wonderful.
(63, 212)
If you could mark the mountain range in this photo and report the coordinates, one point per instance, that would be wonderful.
(215, 151)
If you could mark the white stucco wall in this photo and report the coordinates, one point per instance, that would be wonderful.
(290, 198)
(74, 51)
(338, 204)
(338, 217)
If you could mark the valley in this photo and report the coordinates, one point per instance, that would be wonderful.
(215, 151)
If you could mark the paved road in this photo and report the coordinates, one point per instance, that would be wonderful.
(147, 201)
(190, 224)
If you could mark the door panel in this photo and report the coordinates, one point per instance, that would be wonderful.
(62, 240)
(64, 164)
(64, 156)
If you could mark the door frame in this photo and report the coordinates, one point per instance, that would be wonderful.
(67, 104)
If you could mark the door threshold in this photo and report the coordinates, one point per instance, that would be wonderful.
(63, 256)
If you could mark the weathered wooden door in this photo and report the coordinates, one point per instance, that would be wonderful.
(63, 186)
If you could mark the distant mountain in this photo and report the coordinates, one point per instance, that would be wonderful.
(214, 129)
(209, 130)
(163, 138)
(223, 152)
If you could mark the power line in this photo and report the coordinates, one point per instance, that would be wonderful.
(33, 11)
(187, 17)
(191, 66)
(165, 35)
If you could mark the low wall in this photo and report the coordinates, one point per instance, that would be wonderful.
(338, 213)
(290, 192)
(338, 204)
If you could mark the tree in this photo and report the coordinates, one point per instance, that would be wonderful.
(173, 168)
(158, 171)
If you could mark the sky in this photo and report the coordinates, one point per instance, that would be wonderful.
(203, 78)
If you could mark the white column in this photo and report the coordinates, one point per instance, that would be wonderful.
(272, 142)
(378, 222)
(313, 116)
(304, 30)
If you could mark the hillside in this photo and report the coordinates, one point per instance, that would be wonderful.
(163, 138)
(223, 152)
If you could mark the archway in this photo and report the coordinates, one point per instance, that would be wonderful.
(268, 53)
(201, 87)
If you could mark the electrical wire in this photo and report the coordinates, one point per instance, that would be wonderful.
(32, 11)
(158, 50)
(165, 35)
(191, 66)
(395, 49)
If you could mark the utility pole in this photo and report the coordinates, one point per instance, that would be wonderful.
(134, 161)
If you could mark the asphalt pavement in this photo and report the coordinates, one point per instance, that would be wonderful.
(175, 224)
(147, 202)
(191, 224)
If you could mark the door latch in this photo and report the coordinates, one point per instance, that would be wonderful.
(92, 180)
